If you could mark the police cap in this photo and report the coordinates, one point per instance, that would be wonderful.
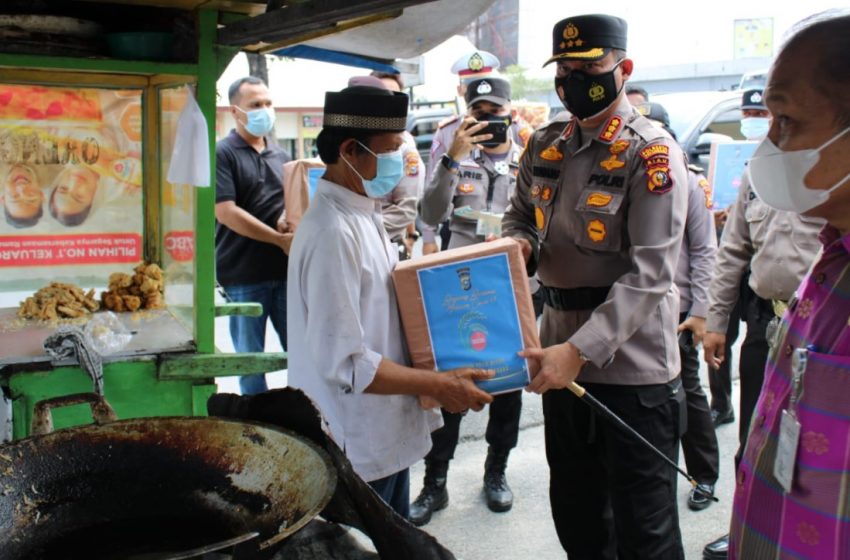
(753, 99)
(655, 112)
(588, 37)
(494, 90)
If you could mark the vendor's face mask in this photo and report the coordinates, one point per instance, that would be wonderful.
(260, 121)
(390, 169)
(587, 95)
(778, 177)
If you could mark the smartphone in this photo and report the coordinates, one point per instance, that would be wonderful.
(499, 130)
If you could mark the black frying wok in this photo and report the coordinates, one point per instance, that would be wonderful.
(137, 488)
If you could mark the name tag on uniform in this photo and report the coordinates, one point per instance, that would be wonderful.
(489, 224)
(786, 451)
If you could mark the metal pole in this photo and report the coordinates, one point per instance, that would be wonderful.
(603, 410)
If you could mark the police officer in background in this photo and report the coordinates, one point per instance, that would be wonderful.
(477, 173)
(469, 67)
(600, 212)
(777, 248)
(693, 276)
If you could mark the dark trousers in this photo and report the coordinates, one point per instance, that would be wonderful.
(502, 428)
(699, 442)
(754, 352)
(395, 491)
(611, 497)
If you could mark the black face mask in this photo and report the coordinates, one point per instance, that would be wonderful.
(498, 127)
(586, 95)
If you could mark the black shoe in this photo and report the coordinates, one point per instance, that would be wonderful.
(499, 496)
(717, 550)
(722, 416)
(434, 495)
(700, 497)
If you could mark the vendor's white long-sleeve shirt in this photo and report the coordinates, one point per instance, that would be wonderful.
(342, 319)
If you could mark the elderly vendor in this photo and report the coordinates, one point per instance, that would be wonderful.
(346, 349)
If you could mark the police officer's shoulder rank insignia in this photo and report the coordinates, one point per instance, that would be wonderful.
(552, 154)
(656, 161)
(611, 129)
(596, 231)
(706, 189)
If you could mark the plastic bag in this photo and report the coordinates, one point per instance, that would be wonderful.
(190, 159)
(107, 334)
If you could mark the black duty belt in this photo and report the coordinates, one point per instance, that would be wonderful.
(574, 299)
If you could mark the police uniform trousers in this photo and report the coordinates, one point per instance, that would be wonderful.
(754, 351)
(611, 498)
(502, 428)
(699, 441)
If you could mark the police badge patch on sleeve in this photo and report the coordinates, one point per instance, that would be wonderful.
(656, 161)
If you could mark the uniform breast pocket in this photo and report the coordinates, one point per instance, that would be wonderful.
(599, 226)
(756, 210)
(542, 198)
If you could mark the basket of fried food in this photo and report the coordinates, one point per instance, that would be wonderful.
(132, 292)
(58, 300)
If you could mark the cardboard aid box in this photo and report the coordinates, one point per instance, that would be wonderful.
(469, 307)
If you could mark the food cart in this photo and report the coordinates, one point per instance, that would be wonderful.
(90, 99)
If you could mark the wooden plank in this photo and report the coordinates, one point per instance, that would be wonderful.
(99, 65)
(248, 7)
(299, 19)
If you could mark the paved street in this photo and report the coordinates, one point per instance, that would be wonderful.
(472, 532)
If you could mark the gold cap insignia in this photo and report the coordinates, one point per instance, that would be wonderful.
(475, 62)
(570, 31)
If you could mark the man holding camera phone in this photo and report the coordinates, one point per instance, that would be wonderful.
(471, 187)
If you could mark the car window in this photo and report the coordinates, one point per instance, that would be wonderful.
(727, 123)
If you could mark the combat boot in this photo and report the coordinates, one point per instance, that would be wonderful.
(434, 495)
(499, 495)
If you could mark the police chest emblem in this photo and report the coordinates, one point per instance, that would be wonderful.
(598, 200)
(546, 194)
(501, 167)
(552, 154)
(484, 88)
(611, 163)
(539, 218)
(535, 191)
(596, 231)
(466, 188)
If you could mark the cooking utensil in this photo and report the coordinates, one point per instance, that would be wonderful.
(155, 486)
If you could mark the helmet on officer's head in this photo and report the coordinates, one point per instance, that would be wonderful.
(475, 64)
(587, 38)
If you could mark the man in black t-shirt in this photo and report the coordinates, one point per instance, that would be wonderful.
(250, 258)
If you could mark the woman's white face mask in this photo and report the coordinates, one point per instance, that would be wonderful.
(778, 178)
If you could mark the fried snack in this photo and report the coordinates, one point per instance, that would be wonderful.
(58, 300)
(131, 292)
(132, 303)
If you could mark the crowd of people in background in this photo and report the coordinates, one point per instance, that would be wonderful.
(632, 269)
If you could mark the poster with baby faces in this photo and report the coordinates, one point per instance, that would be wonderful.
(70, 181)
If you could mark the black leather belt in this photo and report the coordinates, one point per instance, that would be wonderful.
(574, 299)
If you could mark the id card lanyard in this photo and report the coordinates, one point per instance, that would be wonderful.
(789, 426)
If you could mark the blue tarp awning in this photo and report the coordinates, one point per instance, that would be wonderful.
(336, 57)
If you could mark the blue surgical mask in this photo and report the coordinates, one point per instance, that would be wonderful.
(389, 172)
(260, 121)
(755, 128)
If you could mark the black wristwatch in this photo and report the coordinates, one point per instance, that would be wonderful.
(449, 163)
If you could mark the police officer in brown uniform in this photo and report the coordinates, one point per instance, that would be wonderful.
(478, 173)
(600, 211)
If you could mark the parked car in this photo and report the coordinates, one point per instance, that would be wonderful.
(700, 118)
(422, 123)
